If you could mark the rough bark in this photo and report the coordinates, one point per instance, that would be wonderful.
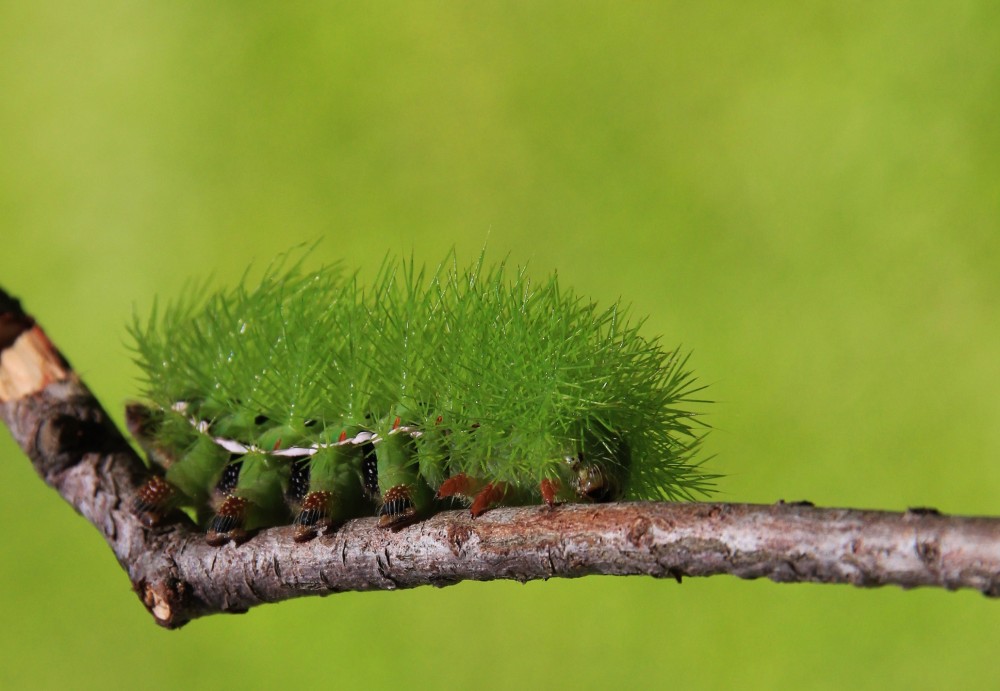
(77, 450)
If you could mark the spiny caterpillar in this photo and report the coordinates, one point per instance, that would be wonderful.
(311, 399)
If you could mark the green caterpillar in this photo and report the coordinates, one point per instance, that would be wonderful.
(309, 398)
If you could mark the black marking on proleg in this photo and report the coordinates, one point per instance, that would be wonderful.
(309, 516)
(395, 507)
(396, 502)
(224, 523)
(369, 469)
(227, 524)
(230, 477)
(298, 481)
(141, 506)
(313, 517)
(397, 510)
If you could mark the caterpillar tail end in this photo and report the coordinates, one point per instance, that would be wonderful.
(140, 421)
(228, 523)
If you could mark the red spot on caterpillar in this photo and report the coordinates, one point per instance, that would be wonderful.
(492, 493)
(549, 489)
(343, 436)
(439, 420)
(395, 423)
(277, 445)
(457, 485)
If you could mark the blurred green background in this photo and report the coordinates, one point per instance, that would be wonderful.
(807, 195)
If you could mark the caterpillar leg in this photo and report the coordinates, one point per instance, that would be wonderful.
(312, 508)
(182, 485)
(324, 489)
(230, 513)
(314, 517)
(228, 523)
(154, 501)
(405, 496)
(398, 510)
(249, 495)
(158, 498)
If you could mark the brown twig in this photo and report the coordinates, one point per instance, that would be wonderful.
(83, 456)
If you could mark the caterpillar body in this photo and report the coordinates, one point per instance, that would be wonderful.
(309, 398)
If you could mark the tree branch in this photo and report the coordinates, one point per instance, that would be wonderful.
(77, 450)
